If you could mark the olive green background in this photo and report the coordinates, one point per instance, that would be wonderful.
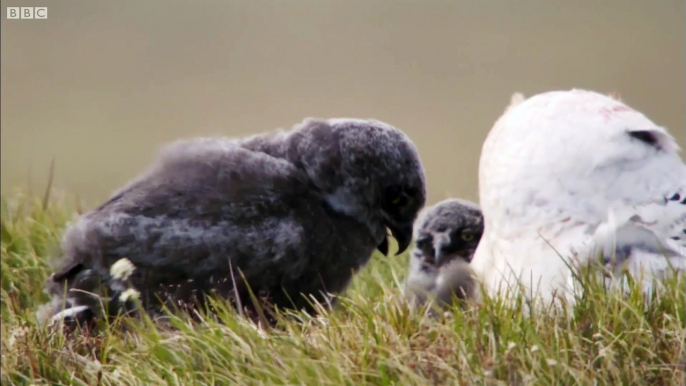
(101, 85)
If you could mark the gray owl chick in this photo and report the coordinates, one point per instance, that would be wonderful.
(289, 216)
(447, 235)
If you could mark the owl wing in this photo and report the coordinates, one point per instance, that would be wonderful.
(206, 208)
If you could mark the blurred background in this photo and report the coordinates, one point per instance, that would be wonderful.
(100, 85)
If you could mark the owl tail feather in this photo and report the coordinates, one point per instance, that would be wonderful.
(85, 296)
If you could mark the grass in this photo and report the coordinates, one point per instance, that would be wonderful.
(372, 338)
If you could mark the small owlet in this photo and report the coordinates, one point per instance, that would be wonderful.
(447, 235)
(281, 218)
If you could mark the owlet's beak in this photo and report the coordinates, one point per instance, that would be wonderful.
(402, 233)
(441, 240)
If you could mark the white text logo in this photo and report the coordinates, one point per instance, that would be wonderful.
(27, 12)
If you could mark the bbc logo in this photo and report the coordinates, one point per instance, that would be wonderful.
(27, 12)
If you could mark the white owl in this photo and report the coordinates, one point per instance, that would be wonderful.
(566, 177)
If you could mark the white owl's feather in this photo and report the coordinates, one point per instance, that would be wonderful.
(569, 174)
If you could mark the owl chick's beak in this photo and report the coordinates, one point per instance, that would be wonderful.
(441, 240)
(402, 233)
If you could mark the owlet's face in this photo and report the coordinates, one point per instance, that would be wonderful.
(447, 231)
(367, 170)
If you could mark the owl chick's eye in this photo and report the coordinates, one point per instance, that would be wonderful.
(424, 242)
(399, 201)
(467, 237)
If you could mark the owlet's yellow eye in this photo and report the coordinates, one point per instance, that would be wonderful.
(396, 200)
(467, 236)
